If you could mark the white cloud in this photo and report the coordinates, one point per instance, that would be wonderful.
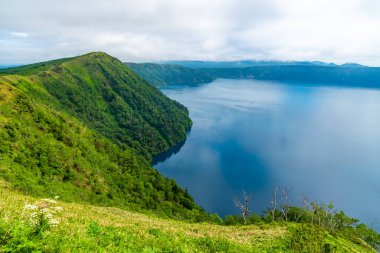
(19, 34)
(146, 30)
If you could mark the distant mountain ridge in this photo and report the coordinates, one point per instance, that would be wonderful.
(253, 63)
(349, 74)
(8, 66)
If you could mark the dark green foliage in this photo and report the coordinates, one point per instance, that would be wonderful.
(47, 152)
(203, 72)
(308, 238)
(238, 220)
(19, 239)
(212, 245)
(365, 233)
(94, 229)
(316, 221)
(85, 129)
(164, 74)
(233, 219)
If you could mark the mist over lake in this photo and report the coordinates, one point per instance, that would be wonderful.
(320, 142)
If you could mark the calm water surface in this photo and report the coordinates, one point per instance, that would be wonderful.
(321, 142)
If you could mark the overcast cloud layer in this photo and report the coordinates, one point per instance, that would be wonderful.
(150, 30)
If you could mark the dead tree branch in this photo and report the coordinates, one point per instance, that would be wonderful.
(243, 207)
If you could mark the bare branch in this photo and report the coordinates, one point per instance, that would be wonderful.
(274, 202)
(284, 206)
(244, 208)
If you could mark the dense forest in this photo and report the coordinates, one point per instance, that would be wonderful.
(86, 129)
(162, 74)
(304, 72)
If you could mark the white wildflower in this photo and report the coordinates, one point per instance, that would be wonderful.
(50, 201)
(42, 211)
(53, 222)
(58, 208)
(30, 207)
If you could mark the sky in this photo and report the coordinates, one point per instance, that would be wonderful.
(157, 30)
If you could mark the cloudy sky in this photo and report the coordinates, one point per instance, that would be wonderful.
(150, 30)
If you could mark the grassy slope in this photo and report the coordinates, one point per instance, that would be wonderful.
(108, 97)
(86, 228)
(49, 147)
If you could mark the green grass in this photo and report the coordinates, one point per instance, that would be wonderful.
(88, 228)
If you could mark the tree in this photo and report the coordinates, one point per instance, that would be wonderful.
(244, 208)
(285, 206)
(274, 203)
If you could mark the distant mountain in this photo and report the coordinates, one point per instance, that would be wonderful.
(356, 65)
(308, 74)
(249, 63)
(86, 129)
(7, 66)
(163, 74)
(349, 74)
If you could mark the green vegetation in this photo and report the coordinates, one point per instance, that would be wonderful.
(304, 72)
(315, 228)
(87, 228)
(106, 96)
(163, 74)
(85, 128)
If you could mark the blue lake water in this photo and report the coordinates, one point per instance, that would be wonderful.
(320, 142)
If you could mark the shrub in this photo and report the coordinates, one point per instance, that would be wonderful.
(41, 215)
(307, 238)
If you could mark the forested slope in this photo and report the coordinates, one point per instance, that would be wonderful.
(307, 73)
(163, 74)
(85, 128)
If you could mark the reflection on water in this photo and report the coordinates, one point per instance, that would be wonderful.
(323, 142)
(167, 154)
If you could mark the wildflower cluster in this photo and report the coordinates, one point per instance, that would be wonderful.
(42, 214)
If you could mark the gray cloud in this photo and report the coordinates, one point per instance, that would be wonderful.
(146, 30)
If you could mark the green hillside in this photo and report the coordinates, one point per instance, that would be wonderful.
(83, 131)
(85, 128)
(87, 228)
(106, 96)
(163, 74)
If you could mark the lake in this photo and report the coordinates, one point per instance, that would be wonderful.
(319, 142)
